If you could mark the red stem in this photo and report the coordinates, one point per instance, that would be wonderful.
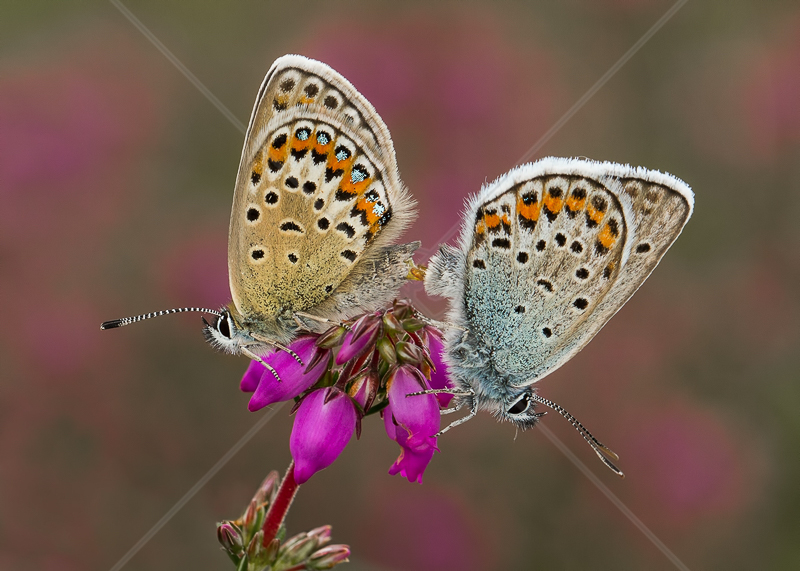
(280, 507)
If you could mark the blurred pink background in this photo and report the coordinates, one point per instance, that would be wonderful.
(116, 177)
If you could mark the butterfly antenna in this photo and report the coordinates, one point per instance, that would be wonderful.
(114, 323)
(603, 452)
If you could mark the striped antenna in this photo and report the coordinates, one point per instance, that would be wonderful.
(603, 452)
(114, 323)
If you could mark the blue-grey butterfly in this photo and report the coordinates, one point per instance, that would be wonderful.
(548, 253)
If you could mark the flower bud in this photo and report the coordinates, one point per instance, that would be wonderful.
(356, 342)
(230, 538)
(268, 488)
(321, 431)
(329, 557)
(391, 323)
(331, 337)
(387, 351)
(409, 352)
(322, 534)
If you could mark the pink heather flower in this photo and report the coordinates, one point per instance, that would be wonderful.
(321, 431)
(416, 452)
(294, 379)
(412, 422)
(439, 377)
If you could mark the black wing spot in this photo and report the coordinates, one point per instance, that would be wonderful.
(271, 198)
(274, 166)
(561, 239)
(330, 174)
(555, 191)
(607, 272)
(348, 230)
(255, 177)
(292, 258)
(582, 273)
(579, 193)
(547, 332)
(348, 254)
(309, 187)
(530, 198)
(328, 288)
(600, 203)
(613, 227)
(343, 196)
(642, 248)
(278, 105)
(318, 204)
(576, 247)
(331, 102)
(287, 85)
(257, 254)
(519, 309)
(323, 223)
(599, 249)
(581, 303)
(541, 245)
(545, 285)
(292, 182)
(291, 226)
(479, 264)
(522, 257)
(318, 157)
(253, 214)
(501, 243)
(297, 155)
(311, 90)
(279, 141)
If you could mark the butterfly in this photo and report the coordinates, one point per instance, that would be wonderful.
(317, 207)
(548, 253)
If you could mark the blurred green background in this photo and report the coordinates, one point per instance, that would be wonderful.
(116, 178)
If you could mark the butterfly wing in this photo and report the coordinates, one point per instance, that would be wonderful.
(550, 251)
(317, 196)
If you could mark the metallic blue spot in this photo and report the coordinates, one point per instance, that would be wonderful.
(303, 134)
(358, 175)
(378, 209)
(342, 155)
(323, 139)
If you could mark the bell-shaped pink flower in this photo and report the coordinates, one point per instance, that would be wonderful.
(418, 414)
(294, 378)
(415, 451)
(321, 431)
(411, 421)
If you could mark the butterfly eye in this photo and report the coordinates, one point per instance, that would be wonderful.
(520, 406)
(223, 327)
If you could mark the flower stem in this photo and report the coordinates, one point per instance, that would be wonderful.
(279, 508)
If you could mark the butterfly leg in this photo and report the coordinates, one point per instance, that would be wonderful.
(248, 353)
(277, 345)
(472, 412)
(450, 410)
(299, 314)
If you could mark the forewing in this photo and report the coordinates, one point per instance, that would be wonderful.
(555, 249)
(317, 190)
